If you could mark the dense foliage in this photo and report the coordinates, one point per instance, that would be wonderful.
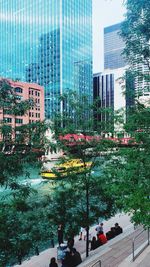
(24, 223)
(128, 170)
(83, 194)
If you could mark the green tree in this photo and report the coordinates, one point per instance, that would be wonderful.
(129, 170)
(24, 225)
(24, 221)
(83, 194)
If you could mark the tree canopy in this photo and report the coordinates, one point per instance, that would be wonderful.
(82, 193)
(24, 222)
(128, 170)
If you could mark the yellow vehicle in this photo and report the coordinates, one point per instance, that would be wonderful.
(63, 169)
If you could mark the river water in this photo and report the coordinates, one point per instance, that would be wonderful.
(32, 177)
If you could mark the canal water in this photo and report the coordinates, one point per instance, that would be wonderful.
(31, 176)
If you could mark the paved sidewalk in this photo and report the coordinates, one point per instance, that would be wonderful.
(142, 261)
(116, 250)
(43, 259)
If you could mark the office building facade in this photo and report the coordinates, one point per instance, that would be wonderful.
(48, 42)
(113, 47)
(107, 90)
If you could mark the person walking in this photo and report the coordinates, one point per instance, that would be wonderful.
(60, 234)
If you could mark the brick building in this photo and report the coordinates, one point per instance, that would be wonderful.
(25, 91)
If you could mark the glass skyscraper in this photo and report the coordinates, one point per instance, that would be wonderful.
(113, 47)
(48, 42)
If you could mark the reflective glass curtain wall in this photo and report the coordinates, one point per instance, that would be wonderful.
(48, 42)
(113, 47)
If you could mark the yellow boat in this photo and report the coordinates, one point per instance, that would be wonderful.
(63, 169)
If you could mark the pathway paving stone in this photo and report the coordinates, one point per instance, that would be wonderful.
(111, 254)
(119, 251)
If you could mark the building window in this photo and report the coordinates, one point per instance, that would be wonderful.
(8, 120)
(18, 97)
(20, 121)
(18, 90)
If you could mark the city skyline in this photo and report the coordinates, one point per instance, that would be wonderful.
(102, 17)
(48, 42)
(105, 13)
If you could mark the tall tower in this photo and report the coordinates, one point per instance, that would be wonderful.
(48, 42)
(113, 47)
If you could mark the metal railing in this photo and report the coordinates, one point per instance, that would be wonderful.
(97, 264)
(141, 250)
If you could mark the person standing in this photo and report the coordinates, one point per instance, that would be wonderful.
(60, 234)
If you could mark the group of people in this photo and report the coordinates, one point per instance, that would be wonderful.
(71, 257)
(114, 231)
(102, 238)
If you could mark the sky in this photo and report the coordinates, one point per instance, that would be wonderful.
(105, 13)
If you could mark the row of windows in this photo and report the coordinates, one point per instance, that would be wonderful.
(33, 92)
(38, 108)
(30, 121)
(32, 114)
(20, 121)
(9, 120)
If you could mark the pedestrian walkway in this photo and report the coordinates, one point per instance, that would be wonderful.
(117, 250)
(43, 259)
(142, 261)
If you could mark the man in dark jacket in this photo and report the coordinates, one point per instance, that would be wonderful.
(118, 229)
